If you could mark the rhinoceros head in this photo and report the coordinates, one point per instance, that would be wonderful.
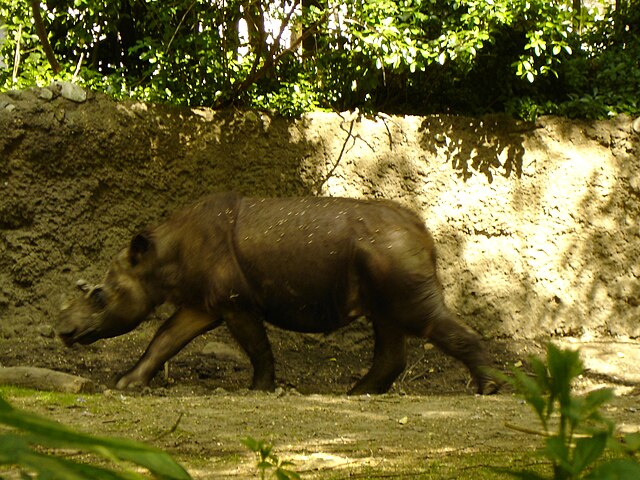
(117, 305)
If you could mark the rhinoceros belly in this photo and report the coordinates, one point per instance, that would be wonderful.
(298, 257)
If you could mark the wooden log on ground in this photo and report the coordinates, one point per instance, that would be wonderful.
(45, 379)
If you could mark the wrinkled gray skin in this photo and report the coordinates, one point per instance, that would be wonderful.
(302, 264)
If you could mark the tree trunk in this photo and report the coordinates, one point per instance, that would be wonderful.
(42, 35)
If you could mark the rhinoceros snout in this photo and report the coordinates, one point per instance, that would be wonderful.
(67, 329)
(67, 336)
(74, 335)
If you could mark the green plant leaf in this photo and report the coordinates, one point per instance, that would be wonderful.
(283, 474)
(616, 470)
(564, 366)
(632, 442)
(15, 451)
(587, 451)
(251, 443)
(531, 388)
(40, 430)
(558, 452)
(596, 398)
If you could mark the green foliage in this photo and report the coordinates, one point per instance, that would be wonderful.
(576, 432)
(22, 447)
(267, 461)
(526, 57)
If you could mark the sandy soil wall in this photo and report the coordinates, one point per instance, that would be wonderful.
(537, 224)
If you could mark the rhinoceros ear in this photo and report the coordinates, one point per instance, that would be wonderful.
(141, 246)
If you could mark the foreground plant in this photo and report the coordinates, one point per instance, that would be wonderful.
(22, 447)
(268, 461)
(577, 434)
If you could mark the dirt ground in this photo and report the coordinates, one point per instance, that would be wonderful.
(326, 436)
(430, 425)
(76, 180)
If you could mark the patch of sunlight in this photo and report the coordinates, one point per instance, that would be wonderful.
(322, 460)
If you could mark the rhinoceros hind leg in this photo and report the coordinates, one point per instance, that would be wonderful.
(249, 332)
(462, 343)
(389, 359)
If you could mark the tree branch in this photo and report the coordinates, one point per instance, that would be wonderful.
(257, 73)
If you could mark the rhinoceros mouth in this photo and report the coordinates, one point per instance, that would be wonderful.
(68, 341)
(86, 337)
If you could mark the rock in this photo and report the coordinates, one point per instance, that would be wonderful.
(139, 108)
(59, 115)
(45, 379)
(70, 91)
(45, 94)
(73, 92)
(15, 94)
(251, 117)
(222, 351)
(636, 125)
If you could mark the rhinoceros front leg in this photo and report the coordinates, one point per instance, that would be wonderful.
(250, 333)
(176, 332)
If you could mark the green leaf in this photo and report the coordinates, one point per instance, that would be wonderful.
(587, 451)
(541, 373)
(49, 433)
(15, 451)
(557, 451)
(596, 398)
(564, 366)
(282, 474)
(616, 470)
(632, 441)
(251, 443)
(532, 392)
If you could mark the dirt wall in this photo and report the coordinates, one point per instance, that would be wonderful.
(537, 224)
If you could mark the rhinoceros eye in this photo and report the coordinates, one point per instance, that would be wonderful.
(98, 298)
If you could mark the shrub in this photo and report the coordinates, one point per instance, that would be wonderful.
(576, 433)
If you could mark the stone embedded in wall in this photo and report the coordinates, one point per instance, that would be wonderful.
(69, 90)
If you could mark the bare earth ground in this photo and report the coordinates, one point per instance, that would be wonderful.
(430, 426)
